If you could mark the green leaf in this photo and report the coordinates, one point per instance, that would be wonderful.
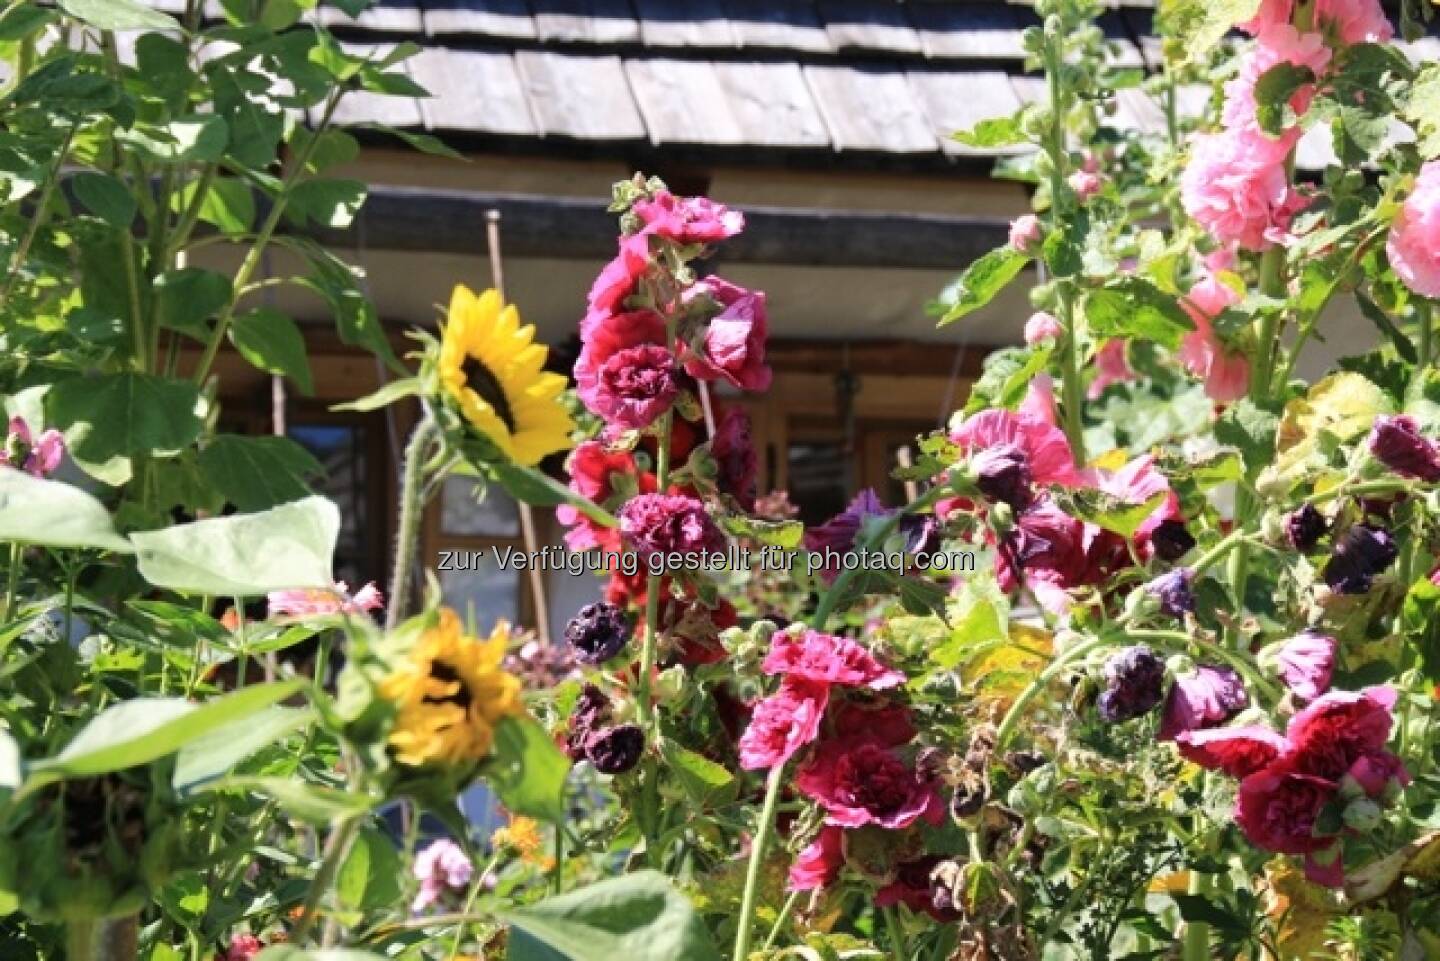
(1136, 308)
(701, 778)
(1198, 25)
(783, 534)
(1423, 110)
(527, 771)
(105, 197)
(21, 20)
(1386, 326)
(189, 297)
(144, 729)
(1251, 430)
(118, 416)
(244, 555)
(257, 473)
(1420, 623)
(329, 203)
(272, 342)
(1110, 512)
(50, 513)
(355, 318)
(638, 917)
(310, 803)
(198, 139)
(369, 877)
(981, 281)
(1273, 92)
(229, 204)
(423, 142)
(978, 617)
(535, 487)
(393, 392)
(217, 753)
(118, 15)
(255, 127)
(993, 133)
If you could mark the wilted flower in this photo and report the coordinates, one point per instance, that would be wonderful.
(734, 454)
(1305, 527)
(1361, 553)
(1305, 663)
(1396, 442)
(1171, 540)
(1003, 474)
(839, 532)
(1414, 244)
(598, 632)
(915, 888)
(37, 457)
(1173, 588)
(590, 712)
(1202, 698)
(313, 602)
(441, 866)
(1134, 684)
(615, 750)
(733, 345)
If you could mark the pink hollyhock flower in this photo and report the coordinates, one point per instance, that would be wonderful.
(1026, 233)
(618, 279)
(22, 451)
(1238, 751)
(1344, 22)
(734, 455)
(1135, 483)
(733, 346)
(609, 335)
(1226, 372)
(441, 866)
(1375, 772)
(635, 386)
(1047, 452)
(828, 659)
(1414, 243)
(1041, 327)
(1277, 808)
(1085, 183)
(1237, 188)
(688, 220)
(1277, 44)
(860, 780)
(1111, 367)
(657, 525)
(243, 947)
(597, 474)
(1306, 662)
(1039, 402)
(311, 602)
(1335, 730)
(818, 866)
(783, 723)
(1204, 698)
(1046, 551)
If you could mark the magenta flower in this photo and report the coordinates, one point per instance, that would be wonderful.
(36, 457)
(1085, 183)
(313, 602)
(1306, 662)
(1277, 808)
(827, 659)
(860, 780)
(1002, 473)
(1111, 367)
(1378, 773)
(1204, 698)
(839, 532)
(618, 280)
(635, 386)
(732, 347)
(667, 524)
(1343, 22)
(1278, 44)
(783, 723)
(1026, 233)
(1226, 372)
(734, 455)
(1414, 244)
(611, 335)
(1047, 452)
(442, 866)
(1396, 442)
(688, 220)
(819, 864)
(243, 947)
(1238, 751)
(1339, 728)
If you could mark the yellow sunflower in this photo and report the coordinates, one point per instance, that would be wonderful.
(490, 364)
(449, 694)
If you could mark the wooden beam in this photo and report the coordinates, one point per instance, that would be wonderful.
(573, 228)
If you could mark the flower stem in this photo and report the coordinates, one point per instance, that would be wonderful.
(652, 593)
(12, 582)
(781, 919)
(1195, 942)
(407, 537)
(757, 862)
(341, 835)
(102, 939)
(1042, 680)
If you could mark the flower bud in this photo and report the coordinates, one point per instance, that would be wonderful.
(1134, 684)
(1305, 527)
(1360, 554)
(1362, 815)
(1041, 327)
(1173, 588)
(1172, 540)
(1397, 443)
(1026, 233)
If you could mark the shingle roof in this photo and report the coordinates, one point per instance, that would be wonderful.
(868, 77)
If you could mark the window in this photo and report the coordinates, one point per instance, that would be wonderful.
(466, 528)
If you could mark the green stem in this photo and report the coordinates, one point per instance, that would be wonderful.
(557, 874)
(652, 594)
(757, 860)
(42, 210)
(341, 836)
(781, 919)
(1041, 681)
(1422, 345)
(12, 581)
(1180, 641)
(411, 508)
(1195, 942)
(896, 933)
(102, 939)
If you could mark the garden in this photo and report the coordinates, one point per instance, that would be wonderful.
(1147, 666)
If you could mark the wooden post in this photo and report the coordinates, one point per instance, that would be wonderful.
(527, 515)
(708, 408)
(904, 459)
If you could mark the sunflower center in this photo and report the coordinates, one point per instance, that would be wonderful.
(483, 382)
(444, 672)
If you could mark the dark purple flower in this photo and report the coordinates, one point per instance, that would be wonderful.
(1003, 474)
(1397, 443)
(1204, 698)
(1360, 554)
(1171, 540)
(839, 532)
(921, 533)
(1305, 527)
(591, 709)
(615, 750)
(1177, 598)
(661, 524)
(734, 455)
(1134, 684)
(598, 632)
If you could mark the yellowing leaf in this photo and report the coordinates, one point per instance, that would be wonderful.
(1299, 908)
(1343, 406)
(1000, 674)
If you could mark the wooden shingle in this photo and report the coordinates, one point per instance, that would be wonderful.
(682, 102)
(870, 107)
(773, 104)
(586, 97)
(496, 19)
(585, 21)
(958, 100)
(474, 90)
(971, 31)
(684, 23)
(778, 25)
(869, 25)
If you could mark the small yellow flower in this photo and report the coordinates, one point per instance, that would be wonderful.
(491, 366)
(522, 834)
(449, 693)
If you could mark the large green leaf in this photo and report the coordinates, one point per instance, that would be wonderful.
(326, 202)
(114, 417)
(1136, 308)
(105, 197)
(310, 803)
(981, 281)
(34, 510)
(272, 342)
(218, 752)
(638, 917)
(118, 15)
(256, 473)
(197, 139)
(527, 770)
(191, 296)
(139, 731)
(535, 487)
(289, 546)
(370, 876)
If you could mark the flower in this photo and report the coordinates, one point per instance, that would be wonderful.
(1042, 326)
(1003, 474)
(22, 451)
(1111, 367)
(313, 602)
(449, 693)
(839, 532)
(1414, 243)
(591, 710)
(1277, 809)
(1358, 556)
(1026, 233)
(1047, 550)
(1134, 684)
(1278, 44)
(522, 835)
(618, 280)
(1377, 773)
(860, 780)
(783, 723)
(734, 455)
(1343, 22)
(1335, 730)
(1305, 663)
(609, 335)
(1173, 588)
(733, 345)
(1226, 372)
(490, 365)
(1396, 442)
(1238, 751)
(828, 659)
(657, 525)
(819, 864)
(1238, 189)
(597, 633)
(1305, 527)
(441, 866)
(916, 888)
(1085, 183)
(1171, 540)
(688, 220)
(615, 750)
(243, 947)
(1046, 450)
(635, 386)
(1202, 698)
(597, 474)
(1138, 482)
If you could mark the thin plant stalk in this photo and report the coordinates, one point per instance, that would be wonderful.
(412, 506)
